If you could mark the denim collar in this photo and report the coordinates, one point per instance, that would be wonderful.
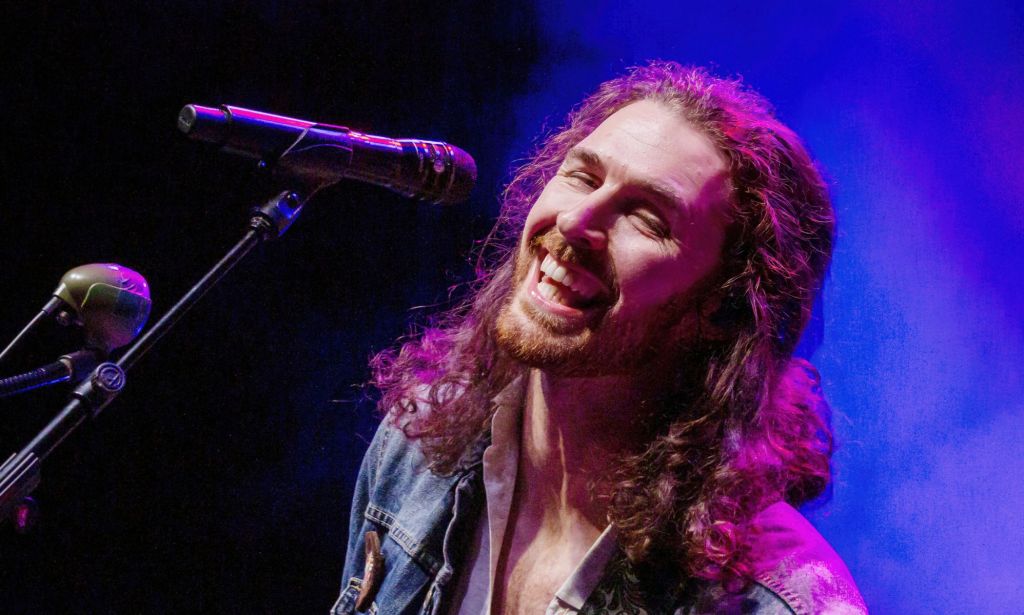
(510, 396)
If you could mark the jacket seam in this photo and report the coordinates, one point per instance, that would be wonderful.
(402, 536)
(790, 599)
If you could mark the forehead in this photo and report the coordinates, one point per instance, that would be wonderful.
(647, 141)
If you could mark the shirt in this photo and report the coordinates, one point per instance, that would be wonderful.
(475, 591)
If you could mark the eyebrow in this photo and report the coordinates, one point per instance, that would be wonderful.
(590, 158)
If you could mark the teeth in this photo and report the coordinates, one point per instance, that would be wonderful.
(552, 293)
(548, 265)
(560, 274)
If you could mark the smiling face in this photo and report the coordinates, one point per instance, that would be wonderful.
(613, 252)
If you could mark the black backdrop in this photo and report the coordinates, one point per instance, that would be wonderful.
(219, 481)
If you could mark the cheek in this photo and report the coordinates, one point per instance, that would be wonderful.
(700, 261)
(706, 238)
(646, 277)
(701, 252)
(541, 215)
(651, 278)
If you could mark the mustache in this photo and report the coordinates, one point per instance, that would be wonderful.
(555, 244)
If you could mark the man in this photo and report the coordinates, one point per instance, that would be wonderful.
(614, 422)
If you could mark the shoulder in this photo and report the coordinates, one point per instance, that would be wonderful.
(796, 573)
(796, 564)
(394, 462)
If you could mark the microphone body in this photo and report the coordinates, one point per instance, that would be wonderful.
(111, 301)
(322, 154)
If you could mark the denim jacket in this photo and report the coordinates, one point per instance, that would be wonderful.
(424, 519)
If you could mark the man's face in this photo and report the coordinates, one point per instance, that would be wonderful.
(612, 252)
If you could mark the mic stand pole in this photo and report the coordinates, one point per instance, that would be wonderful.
(19, 475)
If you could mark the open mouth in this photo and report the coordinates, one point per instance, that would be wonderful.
(563, 285)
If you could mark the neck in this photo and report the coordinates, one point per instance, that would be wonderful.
(575, 430)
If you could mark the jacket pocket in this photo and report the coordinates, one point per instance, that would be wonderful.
(346, 602)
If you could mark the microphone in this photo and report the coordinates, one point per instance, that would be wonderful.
(110, 301)
(324, 154)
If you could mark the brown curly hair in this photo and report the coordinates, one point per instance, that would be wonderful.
(748, 425)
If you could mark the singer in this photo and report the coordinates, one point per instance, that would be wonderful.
(614, 422)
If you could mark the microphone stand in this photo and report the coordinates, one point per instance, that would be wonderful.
(51, 306)
(19, 475)
(71, 367)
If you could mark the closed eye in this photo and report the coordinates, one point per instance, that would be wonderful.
(650, 222)
(581, 179)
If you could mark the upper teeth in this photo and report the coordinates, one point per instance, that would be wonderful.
(582, 285)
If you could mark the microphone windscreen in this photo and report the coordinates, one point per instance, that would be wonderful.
(464, 177)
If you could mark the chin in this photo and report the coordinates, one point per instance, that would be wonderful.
(549, 344)
(541, 342)
(602, 347)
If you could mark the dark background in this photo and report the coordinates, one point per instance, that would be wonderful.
(219, 481)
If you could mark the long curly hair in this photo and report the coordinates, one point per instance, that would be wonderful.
(749, 425)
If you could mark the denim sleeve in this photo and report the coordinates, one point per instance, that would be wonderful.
(355, 556)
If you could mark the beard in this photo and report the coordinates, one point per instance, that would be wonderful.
(603, 344)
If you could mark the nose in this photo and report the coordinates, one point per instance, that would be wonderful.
(581, 225)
